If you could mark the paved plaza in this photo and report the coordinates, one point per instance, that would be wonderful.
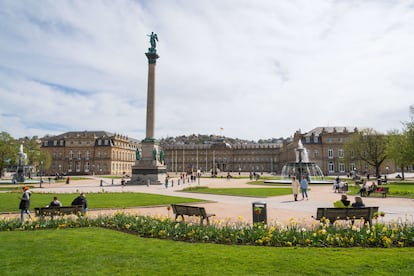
(232, 208)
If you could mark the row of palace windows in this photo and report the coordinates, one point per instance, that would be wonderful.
(315, 139)
(104, 155)
(315, 155)
(97, 167)
(71, 142)
(342, 168)
(225, 159)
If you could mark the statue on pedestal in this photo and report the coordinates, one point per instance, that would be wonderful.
(154, 154)
(138, 154)
(153, 42)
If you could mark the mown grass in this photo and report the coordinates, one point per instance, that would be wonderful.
(9, 202)
(249, 192)
(96, 251)
(398, 189)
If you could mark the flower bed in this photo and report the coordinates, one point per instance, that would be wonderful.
(398, 234)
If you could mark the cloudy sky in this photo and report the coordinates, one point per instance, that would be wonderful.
(256, 69)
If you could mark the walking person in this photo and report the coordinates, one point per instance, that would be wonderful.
(295, 187)
(166, 182)
(304, 187)
(25, 203)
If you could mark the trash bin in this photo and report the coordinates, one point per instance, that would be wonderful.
(259, 212)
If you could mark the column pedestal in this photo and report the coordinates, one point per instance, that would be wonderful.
(148, 171)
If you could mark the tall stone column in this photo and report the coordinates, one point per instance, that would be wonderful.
(152, 62)
(149, 168)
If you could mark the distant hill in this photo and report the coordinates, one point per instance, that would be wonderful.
(194, 139)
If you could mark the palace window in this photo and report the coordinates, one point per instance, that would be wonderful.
(330, 153)
(341, 167)
(331, 167)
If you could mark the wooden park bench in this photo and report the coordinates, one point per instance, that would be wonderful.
(59, 211)
(185, 210)
(352, 214)
(382, 190)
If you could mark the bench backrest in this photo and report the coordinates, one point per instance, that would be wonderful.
(188, 210)
(382, 189)
(58, 210)
(345, 213)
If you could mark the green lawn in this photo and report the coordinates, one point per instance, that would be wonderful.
(251, 192)
(9, 202)
(96, 251)
(399, 189)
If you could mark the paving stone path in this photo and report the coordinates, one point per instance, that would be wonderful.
(234, 208)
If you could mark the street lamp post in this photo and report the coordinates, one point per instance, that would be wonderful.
(41, 179)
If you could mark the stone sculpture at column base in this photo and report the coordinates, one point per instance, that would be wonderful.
(150, 170)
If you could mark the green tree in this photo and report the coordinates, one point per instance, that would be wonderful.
(397, 149)
(369, 146)
(8, 150)
(41, 160)
(400, 145)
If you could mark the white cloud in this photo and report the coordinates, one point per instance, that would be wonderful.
(258, 69)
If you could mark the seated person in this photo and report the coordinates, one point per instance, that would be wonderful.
(371, 188)
(343, 203)
(81, 200)
(358, 202)
(336, 187)
(55, 202)
(364, 189)
(343, 186)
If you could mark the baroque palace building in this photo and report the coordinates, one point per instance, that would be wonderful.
(100, 152)
(90, 152)
(220, 156)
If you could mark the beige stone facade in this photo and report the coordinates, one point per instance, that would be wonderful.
(223, 157)
(100, 152)
(90, 152)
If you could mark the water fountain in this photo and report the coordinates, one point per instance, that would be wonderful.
(302, 167)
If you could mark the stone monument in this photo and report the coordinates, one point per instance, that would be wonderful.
(20, 175)
(149, 167)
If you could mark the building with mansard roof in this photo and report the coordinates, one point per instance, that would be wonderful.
(90, 152)
(100, 152)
